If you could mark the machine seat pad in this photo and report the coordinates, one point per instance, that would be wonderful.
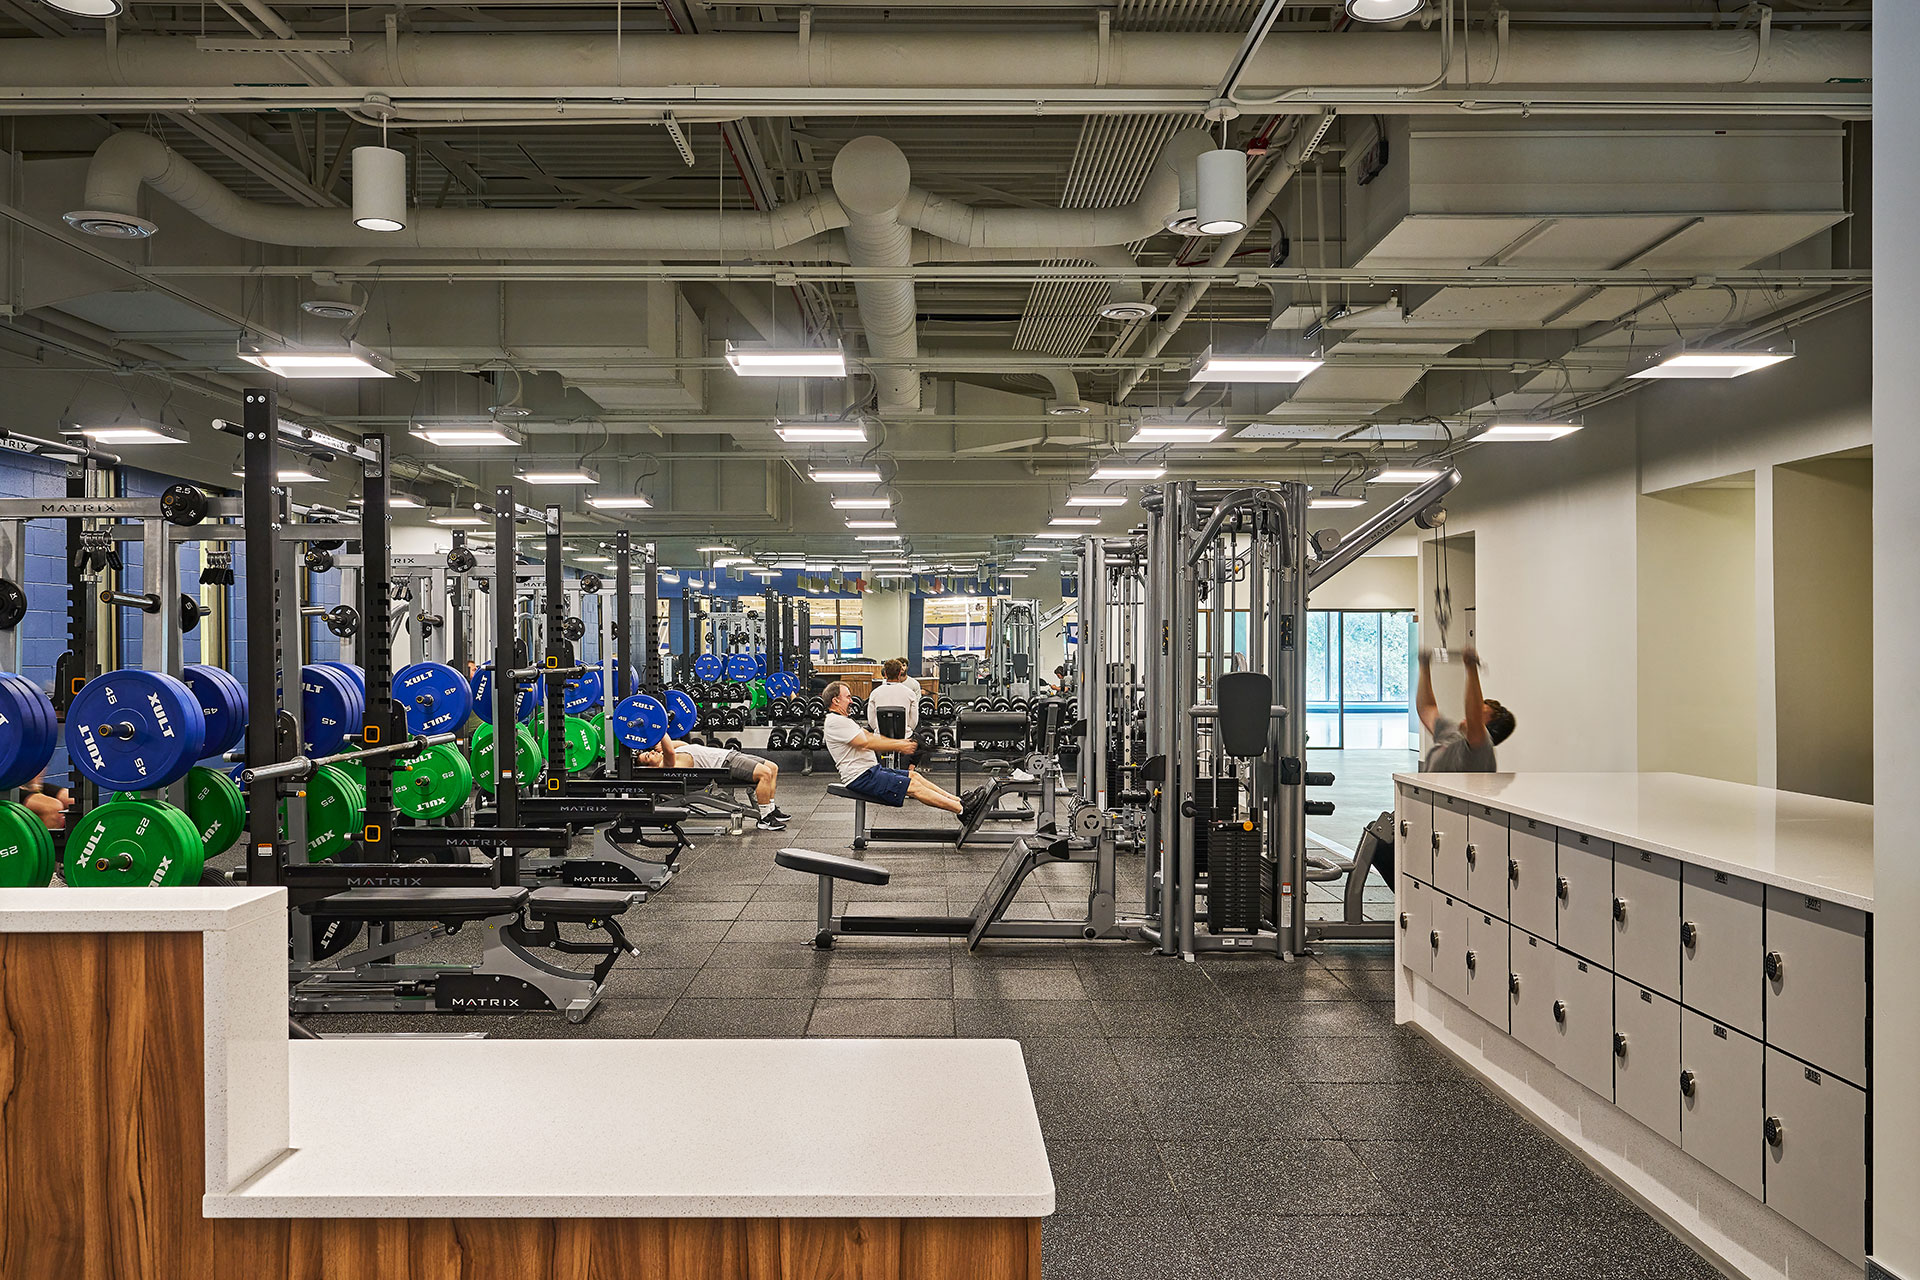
(839, 789)
(662, 815)
(831, 864)
(578, 905)
(414, 903)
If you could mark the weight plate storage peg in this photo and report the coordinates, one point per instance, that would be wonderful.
(215, 806)
(708, 666)
(640, 722)
(28, 730)
(223, 704)
(26, 848)
(133, 842)
(134, 730)
(432, 784)
(437, 698)
(480, 755)
(483, 695)
(682, 714)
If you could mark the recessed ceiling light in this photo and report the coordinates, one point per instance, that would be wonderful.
(872, 524)
(820, 433)
(1063, 521)
(1712, 364)
(621, 502)
(1097, 500)
(787, 362)
(844, 475)
(1334, 502)
(473, 434)
(1404, 475)
(131, 431)
(349, 361)
(1252, 368)
(862, 504)
(1116, 471)
(1528, 431)
(1175, 433)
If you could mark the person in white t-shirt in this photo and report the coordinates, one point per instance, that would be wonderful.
(854, 754)
(912, 683)
(898, 691)
(741, 767)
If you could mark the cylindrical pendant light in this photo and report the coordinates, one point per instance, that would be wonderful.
(1383, 10)
(1223, 192)
(89, 8)
(379, 189)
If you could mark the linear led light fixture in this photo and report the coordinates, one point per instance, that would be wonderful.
(1097, 500)
(349, 361)
(862, 504)
(1114, 471)
(844, 475)
(1031, 559)
(1252, 368)
(1404, 475)
(1063, 521)
(820, 432)
(787, 362)
(557, 475)
(130, 431)
(454, 520)
(877, 537)
(289, 475)
(1712, 364)
(1054, 533)
(872, 524)
(1334, 502)
(1528, 431)
(715, 547)
(596, 559)
(621, 502)
(478, 434)
(1175, 433)
(727, 562)
(668, 575)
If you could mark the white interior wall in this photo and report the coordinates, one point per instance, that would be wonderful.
(883, 624)
(1372, 582)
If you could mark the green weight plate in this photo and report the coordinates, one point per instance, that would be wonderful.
(25, 848)
(480, 754)
(583, 745)
(133, 842)
(336, 807)
(355, 770)
(216, 808)
(432, 784)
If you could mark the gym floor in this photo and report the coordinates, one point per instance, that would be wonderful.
(1238, 1117)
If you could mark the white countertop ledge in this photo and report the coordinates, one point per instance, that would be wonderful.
(1808, 844)
(188, 909)
(654, 1129)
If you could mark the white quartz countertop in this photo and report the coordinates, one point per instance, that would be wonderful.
(655, 1128)
(188, 909)
(1809, 844)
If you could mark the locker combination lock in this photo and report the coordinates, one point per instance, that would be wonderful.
(1560, 1011)
(1687, 1079)
(1560, 888)
(1513, 984)
(1619, 1044)
(1620, 910)
(1513, 870)
(1471, 851)
(1776, 965)
(1689, 934)
(1775, 1131)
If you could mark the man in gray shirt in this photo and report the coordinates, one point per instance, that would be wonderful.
(1464, 745)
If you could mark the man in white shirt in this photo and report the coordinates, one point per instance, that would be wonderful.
(912, 683)
(740, 767)
(853, 750)
(897, 691)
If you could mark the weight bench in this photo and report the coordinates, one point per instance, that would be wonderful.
(863, 835)
(509, 978)
(616, 860)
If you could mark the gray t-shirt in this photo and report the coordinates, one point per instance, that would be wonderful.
(1452, 753)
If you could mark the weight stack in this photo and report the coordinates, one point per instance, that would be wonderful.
(1214, 800)
(1233, 876)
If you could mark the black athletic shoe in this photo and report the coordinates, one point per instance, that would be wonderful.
(771, 822)
(782, 814)
(976, 804)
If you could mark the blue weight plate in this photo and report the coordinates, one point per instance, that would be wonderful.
(356, 674)
(584, 692)
(708, 666)
(27, 736)
(682, 715)
(741, 666)
(483, 695)
(135, 730)
(640, 722)
(782, 684)
(759, 664)
(223, 701)
(40, 750)
(437, 698)
(331, 709)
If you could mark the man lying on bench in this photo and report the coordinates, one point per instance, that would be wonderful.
(740, 767)
(853, 748)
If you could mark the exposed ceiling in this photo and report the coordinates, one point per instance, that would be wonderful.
(1490, 211)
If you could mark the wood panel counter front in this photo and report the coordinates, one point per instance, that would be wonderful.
(157, 1124)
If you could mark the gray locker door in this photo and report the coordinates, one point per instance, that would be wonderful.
(1816, 1158)
(1531, 869)
(1450, 845)
(1720, 947)
(1415, 919)
(1816, 982)
(1584, 920)
(1646, 1058)
(1583, 1022)
(1414, 855)
(1449, 938)
(1530, 992)
(1487, 966)
(1646, 919)
(1487, 859)
(1721, 1075)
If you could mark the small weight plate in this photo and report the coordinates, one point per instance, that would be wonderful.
(483, 695)
(157, 731)
(708, 666)
(582, 747)
(433, 783)
(584, 692)
(215, 806)
(223, 703)
(26, 849)
(437, 698)
(132, 842)
(480, 755)
(13, 605)
(682, 714)
(640, 722)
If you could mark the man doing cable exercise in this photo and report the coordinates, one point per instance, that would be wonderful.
(740, 767)
(1464, 745)
(853, 750)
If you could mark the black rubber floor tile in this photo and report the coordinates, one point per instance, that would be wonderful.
(716, 983)
(1198, 1019)
(765, 955)
(668, 953)
(1368, 984)
(695, 1019)
(1355, 955)
(1130, 978)
(860, 1018)
(1416, 1111)
(858, 983)
(1321, 1247)
(1112, 1180)
(1282, 1019)
(1264, 980)
(973, 981)
(770, 931)
(1084, 1112)
(1357, 1059)
(644, 984)
(1252, 1110)
(1262, 1179)
(1070, 1061)
(1075, 1247)
(626, 1019)
(663, 910)
(778, 909)
(1023, 1018)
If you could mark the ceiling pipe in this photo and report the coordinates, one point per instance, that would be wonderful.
(872, 180)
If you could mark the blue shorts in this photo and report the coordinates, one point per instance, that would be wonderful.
(882, 786)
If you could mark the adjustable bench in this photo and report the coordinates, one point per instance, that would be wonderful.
(509, 978)
(615, 861)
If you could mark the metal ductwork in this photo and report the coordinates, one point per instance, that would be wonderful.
(872, 179)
